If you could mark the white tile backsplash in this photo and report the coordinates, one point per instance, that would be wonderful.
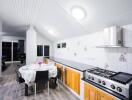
(98, 56)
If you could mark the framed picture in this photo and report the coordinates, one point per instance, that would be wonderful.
(58, 45)
(63, 45)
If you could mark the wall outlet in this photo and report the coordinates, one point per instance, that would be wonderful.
(75, 54)
(122, 58)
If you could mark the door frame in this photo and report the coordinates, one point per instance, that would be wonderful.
(11, 51)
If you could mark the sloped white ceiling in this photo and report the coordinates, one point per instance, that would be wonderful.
(56, 15)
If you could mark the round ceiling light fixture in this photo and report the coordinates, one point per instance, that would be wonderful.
(78, 12)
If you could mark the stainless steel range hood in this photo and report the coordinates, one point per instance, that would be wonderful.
(113, 38)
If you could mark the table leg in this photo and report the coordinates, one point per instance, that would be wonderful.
(26, 89)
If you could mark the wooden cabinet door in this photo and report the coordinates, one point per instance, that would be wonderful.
(86, 91)
(92, 93)
(66, 76)
(72, 79)
(77, 82)
(60, 68)
(63, 71)
(104, 96)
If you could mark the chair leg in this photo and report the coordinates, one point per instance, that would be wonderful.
(58, 83)
(48, 88)
(35, 90)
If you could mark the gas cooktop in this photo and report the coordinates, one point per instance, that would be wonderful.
(101, 72)
(119, 82)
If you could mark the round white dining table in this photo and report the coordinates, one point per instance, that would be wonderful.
(28, 72)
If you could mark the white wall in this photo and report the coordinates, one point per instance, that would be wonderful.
(83, 49)
(0, 45)
(0, 51)
(41, 40)
(31, 49)
(12, 38)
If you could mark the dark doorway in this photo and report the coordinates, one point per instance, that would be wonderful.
(46, 51)
(6, 51)
(15, 51)
(21, 46)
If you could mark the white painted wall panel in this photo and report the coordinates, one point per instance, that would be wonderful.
(41, 40)
(12, 38)
(0, 45)
(31, 48)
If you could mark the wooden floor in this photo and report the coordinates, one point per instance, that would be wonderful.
(10, 90)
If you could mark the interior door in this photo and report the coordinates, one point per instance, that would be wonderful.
(46, 51)
(6, 51)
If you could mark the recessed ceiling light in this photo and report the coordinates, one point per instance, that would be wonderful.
(51, 32)
(78, 12)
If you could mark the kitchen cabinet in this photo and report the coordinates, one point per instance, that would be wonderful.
(93, 93)
(86, 91)
(60, 67)
(90, 93)
(104, 96)
(72, 79)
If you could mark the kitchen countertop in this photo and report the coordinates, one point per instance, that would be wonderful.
(83, 67)
(106, 90)
(75, 65)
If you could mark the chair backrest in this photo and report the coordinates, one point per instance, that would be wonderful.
(19, 77)
(42, 76)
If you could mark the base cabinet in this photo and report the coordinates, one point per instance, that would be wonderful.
(72, 80)
(93, 93)
(70, 77)
(60, 68)
(90, 93)
(103, 96)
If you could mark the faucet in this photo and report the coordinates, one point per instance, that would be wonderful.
(106, 66)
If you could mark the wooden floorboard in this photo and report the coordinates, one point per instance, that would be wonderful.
(10, 90)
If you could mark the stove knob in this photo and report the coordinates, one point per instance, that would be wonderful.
(92, 78)
(89, 77)
(119, 89)
(103, 82)
(99, 81)
(112, 86)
